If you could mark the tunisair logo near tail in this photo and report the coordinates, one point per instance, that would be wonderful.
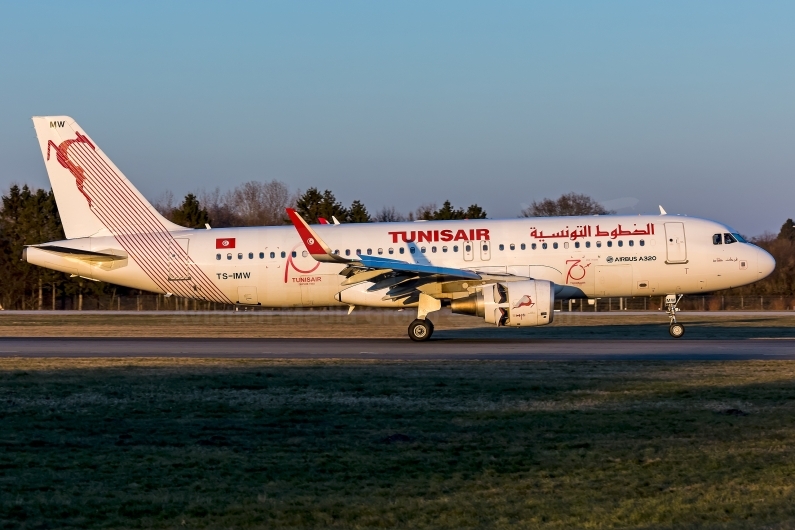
(62, 156)
(432, 236)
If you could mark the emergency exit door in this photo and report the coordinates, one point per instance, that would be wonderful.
(675, 245)
(469, 253)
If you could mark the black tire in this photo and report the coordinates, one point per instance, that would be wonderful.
(420, 330)
(676, 330)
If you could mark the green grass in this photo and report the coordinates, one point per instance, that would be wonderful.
(231, 444)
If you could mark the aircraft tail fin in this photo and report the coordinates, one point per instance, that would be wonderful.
(92, 194)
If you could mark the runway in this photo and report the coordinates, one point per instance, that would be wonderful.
(403, 349)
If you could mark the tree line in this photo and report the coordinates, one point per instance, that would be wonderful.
(30, 216)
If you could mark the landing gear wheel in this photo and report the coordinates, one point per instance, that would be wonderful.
(420, 330)
(676, 330)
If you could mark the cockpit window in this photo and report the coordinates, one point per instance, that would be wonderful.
(729, 239)
(739, 238)
(717, 239)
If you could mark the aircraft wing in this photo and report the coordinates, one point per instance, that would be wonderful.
(322, 252)
(372, 262)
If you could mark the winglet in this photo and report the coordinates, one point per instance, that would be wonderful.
(319, 250)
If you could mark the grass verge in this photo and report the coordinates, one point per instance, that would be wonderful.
(217, 443)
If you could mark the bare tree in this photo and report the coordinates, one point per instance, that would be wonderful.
(165, 204)
(388, 215)
(567, 204)
(262, 203)
(425, 211)
(219, 208)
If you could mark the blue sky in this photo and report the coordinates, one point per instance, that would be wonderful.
(686, 104)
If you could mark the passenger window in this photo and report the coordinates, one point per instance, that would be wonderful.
(587, 244)
(533, 246)
(347, 252)
(412, 250)
(444, 249)
(485, 247)
(273, 255)
(369, 252)
(716, 239)
(631, 243)
(469, 248)
(229, 256)
(433, 249)
(391, 250)
(217, 256)
(455, 248)
(728, 239)
(620, 243)
(240, 255)
(337, 252)
(513, 247)
(502, 247)
(261, 255)
(598, 244)
(609, 243)
(358, 252)
(294, 254)
(402, 250)
(304, 253)
(284, 254)
(423, 249)
(555, 245)
(566, 244)
(576, 244)
(250, 255)
(544, 246)
(523, 246)
(380, 251)
(641, 242)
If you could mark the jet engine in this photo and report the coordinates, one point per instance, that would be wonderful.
(523, 303)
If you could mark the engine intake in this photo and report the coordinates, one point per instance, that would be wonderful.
(524, 303)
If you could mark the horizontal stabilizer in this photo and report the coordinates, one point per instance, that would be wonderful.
(83, 255)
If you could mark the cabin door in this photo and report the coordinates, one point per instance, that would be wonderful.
(675, 243)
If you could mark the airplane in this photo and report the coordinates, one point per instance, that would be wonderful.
(508, 272)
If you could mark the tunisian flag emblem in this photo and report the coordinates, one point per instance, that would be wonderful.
(227, 242)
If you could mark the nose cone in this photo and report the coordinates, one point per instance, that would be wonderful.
(765, 263)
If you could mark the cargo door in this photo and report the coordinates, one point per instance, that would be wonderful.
(307, 295)
(614, 280)
(177, 259)
(247, 295)
(675, 243)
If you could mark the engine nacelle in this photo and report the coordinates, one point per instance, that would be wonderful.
(524, 303)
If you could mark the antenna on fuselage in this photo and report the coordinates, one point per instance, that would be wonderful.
(662, 211)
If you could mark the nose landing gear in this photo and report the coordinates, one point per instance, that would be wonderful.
(675, 329)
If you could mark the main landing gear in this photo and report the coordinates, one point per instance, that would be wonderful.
(675, 329)
(422, 328)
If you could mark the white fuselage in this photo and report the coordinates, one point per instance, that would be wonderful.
(595, 256)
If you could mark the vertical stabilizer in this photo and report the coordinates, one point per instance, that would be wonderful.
(92, 194)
